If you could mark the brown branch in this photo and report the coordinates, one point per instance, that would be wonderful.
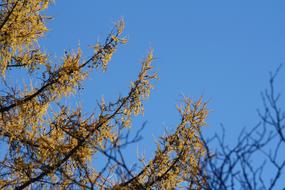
(8, 16)
(52, 80)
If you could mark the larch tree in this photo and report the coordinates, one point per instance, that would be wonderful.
(50, 145)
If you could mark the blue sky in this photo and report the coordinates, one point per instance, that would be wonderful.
(222, 50)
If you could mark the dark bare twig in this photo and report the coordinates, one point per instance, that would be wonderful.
(234, 167)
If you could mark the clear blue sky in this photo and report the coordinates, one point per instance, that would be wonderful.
(221, 49)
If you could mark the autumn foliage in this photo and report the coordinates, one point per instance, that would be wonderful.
(50, 145)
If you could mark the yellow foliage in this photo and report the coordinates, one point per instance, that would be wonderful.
(52, 146)
(21, 26)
